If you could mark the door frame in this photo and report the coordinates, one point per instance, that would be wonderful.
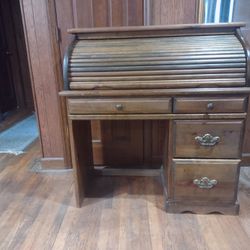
(43, 52)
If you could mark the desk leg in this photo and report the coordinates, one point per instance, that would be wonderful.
(81, 154)
(167, 178)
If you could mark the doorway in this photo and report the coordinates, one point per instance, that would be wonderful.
(16, 99)
(18, 126)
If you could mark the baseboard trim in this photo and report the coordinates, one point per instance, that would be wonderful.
(36, 166)
(53, 163)
(182, 207)
(245, 162)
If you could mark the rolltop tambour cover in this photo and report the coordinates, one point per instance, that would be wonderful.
(156, 57)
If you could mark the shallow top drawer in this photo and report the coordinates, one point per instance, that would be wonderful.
(119, 106)
(210, 105)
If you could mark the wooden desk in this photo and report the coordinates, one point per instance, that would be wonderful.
(193, 76)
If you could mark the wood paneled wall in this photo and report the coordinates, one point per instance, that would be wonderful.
(112, 138)
(172, 11)
(46, 24)
(96, 13)
(121, 139)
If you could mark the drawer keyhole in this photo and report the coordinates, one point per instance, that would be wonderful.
(119, 107)
(210, 106)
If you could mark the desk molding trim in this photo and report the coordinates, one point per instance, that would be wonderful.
(157, 116)
(155, 92)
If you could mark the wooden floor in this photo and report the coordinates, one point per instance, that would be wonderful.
(37, 212)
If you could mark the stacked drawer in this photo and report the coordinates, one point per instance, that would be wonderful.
(206, 153)
(203, 166)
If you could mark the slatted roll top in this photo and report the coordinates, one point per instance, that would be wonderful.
(211, 60)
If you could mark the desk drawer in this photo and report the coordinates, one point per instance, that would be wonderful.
(207, 139)
(210, 105)
(205, 180)
(119, 106)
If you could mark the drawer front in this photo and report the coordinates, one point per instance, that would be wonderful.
(207, 139)
(205, 180)
(119, 106)
(210, 105)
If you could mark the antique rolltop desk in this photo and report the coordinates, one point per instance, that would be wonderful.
(195, 77)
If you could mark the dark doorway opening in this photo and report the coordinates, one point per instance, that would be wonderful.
(16, 99)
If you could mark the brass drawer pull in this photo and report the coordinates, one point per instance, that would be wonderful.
(207, 140)
(119, 107)
(205, 183)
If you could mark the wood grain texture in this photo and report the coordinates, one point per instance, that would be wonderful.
(156, 92)
(40, 56)
(188, 170)
(52, 163)
(82, 158)
(229, 144)
(59, 80)
(122, 143)
(157, 116)
(209, 105)
(37, 212)
(120, 106)
(170, 55)
(100, 13)
(184, 207)
(65, 19)
(95, 13)
(135, 12)
(172, 12)
(142, 30)
(159, 135)
(97, 144)
(119, 12)
(246, 142)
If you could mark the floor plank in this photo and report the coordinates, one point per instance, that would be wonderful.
(37, 212)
